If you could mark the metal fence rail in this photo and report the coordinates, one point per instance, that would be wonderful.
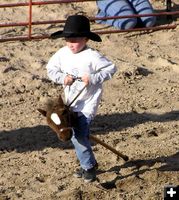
(31, 23)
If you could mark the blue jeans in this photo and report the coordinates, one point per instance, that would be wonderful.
(80, 140)
(125, 7)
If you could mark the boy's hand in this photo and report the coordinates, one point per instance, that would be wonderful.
(85, 79)
(68, 80)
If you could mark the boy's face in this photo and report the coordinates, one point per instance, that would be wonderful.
(76, 44)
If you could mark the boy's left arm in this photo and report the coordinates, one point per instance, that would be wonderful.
(105, 69)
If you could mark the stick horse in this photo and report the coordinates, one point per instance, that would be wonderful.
(62, 120)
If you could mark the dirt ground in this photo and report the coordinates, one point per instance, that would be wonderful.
(138, 114)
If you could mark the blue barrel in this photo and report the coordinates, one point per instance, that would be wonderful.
(125, 7)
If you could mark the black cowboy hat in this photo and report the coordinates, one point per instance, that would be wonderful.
(77, 26)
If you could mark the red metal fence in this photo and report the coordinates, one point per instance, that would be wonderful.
(31, 23)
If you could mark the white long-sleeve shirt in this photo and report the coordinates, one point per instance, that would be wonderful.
(89, 62)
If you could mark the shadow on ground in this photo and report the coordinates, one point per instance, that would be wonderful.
(168, 164)
(40, 137)
(119, 121)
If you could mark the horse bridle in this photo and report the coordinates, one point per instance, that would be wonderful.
(76, 97)
(68, 110)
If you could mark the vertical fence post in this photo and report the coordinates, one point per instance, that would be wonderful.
(169, 8)
(30, 19)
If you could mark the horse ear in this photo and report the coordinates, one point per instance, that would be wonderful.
(43, 112)
(60, 100)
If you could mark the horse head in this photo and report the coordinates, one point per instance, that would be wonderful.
(59, 118)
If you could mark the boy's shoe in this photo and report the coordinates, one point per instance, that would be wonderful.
(88, 175)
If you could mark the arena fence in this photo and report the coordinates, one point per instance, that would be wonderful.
(168, 12)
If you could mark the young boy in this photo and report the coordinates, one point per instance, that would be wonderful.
(74, 66)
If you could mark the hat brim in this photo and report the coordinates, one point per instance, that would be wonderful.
(89, 35)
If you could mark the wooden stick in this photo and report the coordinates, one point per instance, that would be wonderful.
(97, 140)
